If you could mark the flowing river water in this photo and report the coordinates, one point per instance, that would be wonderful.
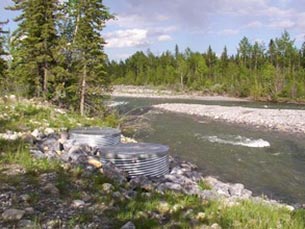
(268, 163)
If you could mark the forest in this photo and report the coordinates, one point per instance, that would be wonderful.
(56, 53)
(270, 73)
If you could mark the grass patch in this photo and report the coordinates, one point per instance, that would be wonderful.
(203, 185)
(248, 214)
(182, 211)
(17, 152)
(26, 117)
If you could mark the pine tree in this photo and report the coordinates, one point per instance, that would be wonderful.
(3, 62)
(88, 19)
(244, 51)
(34, 44)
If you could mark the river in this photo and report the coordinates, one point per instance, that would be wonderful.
(268, 163)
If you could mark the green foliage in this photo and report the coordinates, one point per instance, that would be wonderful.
(33, 45)
(248, 214)
(58, 54)
(269, 72)
(203, 185)
(182, 211)
(3, 62)
(84, 57)
(25, 116)
(17, 152)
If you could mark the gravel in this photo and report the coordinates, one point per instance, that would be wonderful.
(284, 120)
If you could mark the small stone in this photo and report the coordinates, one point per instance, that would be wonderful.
(129, 225)
(29, 210)
(12, 214)
(117, 195)
(176, 208)
(114, 173)
(51, 188)
(25, 197)
(200, 216)
(13, 98)
(36, 134)
(95, 163)
(289, 208)
(130, 194)
(142, 215)
(236, 190)
(28, 137)
(107, 188)
(24, 223)
(163, 207)
(246, 194)
(52, 224)
(169, 186)
(37, 153)
(75, 154)
(78, 203)
(215, 226)
(188, 214)
(48, 131)
(141, 182)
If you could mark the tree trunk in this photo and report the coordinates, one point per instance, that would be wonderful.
(76, 27)
(45, 81)
(83, 92)
(181, 81)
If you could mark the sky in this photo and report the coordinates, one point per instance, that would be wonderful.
(158, 25)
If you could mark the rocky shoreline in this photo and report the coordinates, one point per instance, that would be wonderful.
(147, 92)
(283, 120)
(184, 177)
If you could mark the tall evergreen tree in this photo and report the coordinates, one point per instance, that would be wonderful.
(34, 43)
(244, 51)
(3, 63)
(88, 20)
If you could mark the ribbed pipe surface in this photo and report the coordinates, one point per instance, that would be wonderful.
(138, 159)
(95, 136)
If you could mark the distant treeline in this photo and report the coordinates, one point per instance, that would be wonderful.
(272, 72)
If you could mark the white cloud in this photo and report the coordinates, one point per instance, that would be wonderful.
(283, 24)
(229, 32)
(254, 24)
(128, 21)
(164, 37)
(127, 38)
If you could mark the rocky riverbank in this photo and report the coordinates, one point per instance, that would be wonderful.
(284, 120)
(148, 92)
(50, 181)
(18, 205)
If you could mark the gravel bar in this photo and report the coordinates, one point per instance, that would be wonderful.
(284, 120)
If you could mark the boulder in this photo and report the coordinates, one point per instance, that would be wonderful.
(128, 225)
(78, 203)
(24, 223)
(236, 190)
(51, 189)
(114, 173)
(12, 214)
(48, 131)
(37, 134)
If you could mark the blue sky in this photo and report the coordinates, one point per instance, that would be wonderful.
(159, 24)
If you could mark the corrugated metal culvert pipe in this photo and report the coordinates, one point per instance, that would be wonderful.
(96, 136)
(138, 159)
